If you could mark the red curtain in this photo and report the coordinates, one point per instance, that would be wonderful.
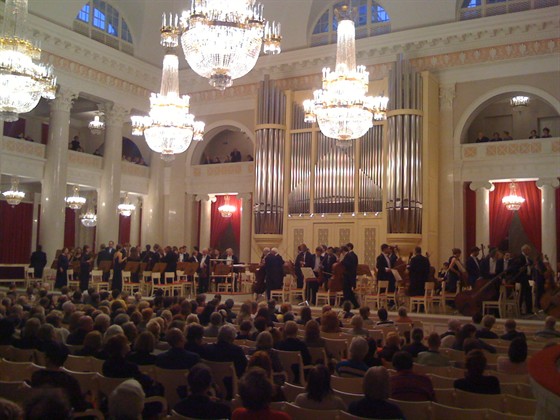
(16, 226)
(69, 228)
(225, 231)
(124, 229)
(470, 217)
(530, 211)
(500, 216)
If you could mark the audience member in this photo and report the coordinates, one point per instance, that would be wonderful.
(549, 330)
(312, 335)
(403, 317)
(354, 366)
(10, 410)
(432, 356)
(407, 385)
(516, 361)
(416, 346)
(126, 402)
(475, 380)
(225, 351)
(392, 346)
(357, 324)
(319, 395)
(176, 357)
(383, 317)
(49, 404)
(546, 133)
(510, 327)
(488, 322)
(144, 347)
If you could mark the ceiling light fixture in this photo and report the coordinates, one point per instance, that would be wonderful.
(513, 201)
(227, 209)
(126, 207)
(13, 196)
(519, 101)
(97, 126)
(74, 201)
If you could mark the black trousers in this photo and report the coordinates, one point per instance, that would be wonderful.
(526, 296)
(348, 292)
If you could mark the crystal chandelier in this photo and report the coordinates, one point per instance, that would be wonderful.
(170, 127)
(23, 78)
(75, 202)
(342, 108)
(96, 126)
(513, 201)
(89, 218)
(222, 39)
(126, 207)
(13, 196)
(519, 101)
(227, 209)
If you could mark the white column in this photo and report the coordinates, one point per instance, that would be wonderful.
(482, 190)
(53, 190)
(548, 217)
(110, 191)
(191, 222)
(34, 231)
(135, 221)
(245, 228)
(206, 201)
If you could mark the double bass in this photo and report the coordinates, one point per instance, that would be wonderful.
(469, 302)
(336, 281)
(550, 300)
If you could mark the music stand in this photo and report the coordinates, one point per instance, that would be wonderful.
(308, 276)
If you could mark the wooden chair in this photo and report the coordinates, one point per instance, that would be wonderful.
(304, 413)
(510, 378)
(70, 281)
(21, 355)
(445, 412)
(190, 271)
(496, 415)
(496, 304)
(146, 283)
(5, 351)
(426, 300)
(348, 385)
(128, 286)
(446, 297)
(17, 371)
(171, 379)
(291, 391)
(324, 297)
(157, 282)
(336, 349)
(347, 416)
(89, 413)
(78, 364)
(417, 410)
(482, 401)
(289, 361)
(29, 276)
(283, 294)
(441, 381)
(318, 355)
(89, 385)
(520, 406)
(348, 397)
(107, 385)
(378, 299)
(296, 292)
(224, 376)
(16, 391)
(96, 365)
(445, 396)
(223, 272)
(97, 280)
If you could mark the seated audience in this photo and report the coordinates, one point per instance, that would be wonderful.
(507, 136)
(76, 337)
(534, 135)
(549, 330)
(403, 317)
(357, 324)
(392, 346)
(376, 390)
(477, 320)
(93, 345)
(481, 138)
(28, 340)
(510, 327)
(225, 351)
(475, 380)
(176, 357)
(245, 331)
(383, 317)
(468, 332)
(488, 322)
(200, 404)
(292, 343)
(346, 310)
(319, 395)
(365, 312)
(49, 404)
(116, 366)
(329, 322)
(255, 391)
(407, 385)
(9, 410)
(261, 359)
(144, 347)
(516, 361)
(126, 402)
(216, 321)
(194, 343)
(265, 343)
(355, 365)
(312, 335)
(432, 356)
(416, 346)
(304, 315)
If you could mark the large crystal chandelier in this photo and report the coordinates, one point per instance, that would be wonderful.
(342, 108)
(170, 127)
(126, 207)
(513, 201)
(96, 126)
(23, 78)
(227, 209)
(13, 196)
(74, 201)
(222, 39)
(519, 101)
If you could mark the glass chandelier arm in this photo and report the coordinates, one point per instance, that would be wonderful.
(15, 19)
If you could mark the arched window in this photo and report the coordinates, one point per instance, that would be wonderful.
(100, 21)
(370, 18)
(473, 9)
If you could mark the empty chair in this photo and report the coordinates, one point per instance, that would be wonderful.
(291, 391)
(16, 391)
(17, 371)
(445, 396)
(22, 355)
(78, 364)
(471, 400)
(108, 385)
(445, 412)
(520, 406)
(303, 413)
(417, 410)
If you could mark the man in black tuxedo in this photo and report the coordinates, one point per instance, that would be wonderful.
(328, 260)
(383, 265)
(317, 263)
(38, 261)
(230, 258)
(350, 263)
(473, 265)
(104, 255)
(492, 265)
(146, 256)
(183, 255)
(303, 259)
(274, 271)
(203, 271)
(522, 269)
(419, 272)
(111, 248)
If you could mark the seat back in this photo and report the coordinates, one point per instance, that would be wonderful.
(126, 276)
(291, 391)
(17, 371)
(417, 410)
(224, 374)
(304, 413)
(29, 273)
(445, 396)
(471, 400)
(347, 416)
(169, 277)
(78, 364)
(496, 415)
(382, 287)
(16, 391)
(318, 355)
(445, 412)
(221, 269)
(337, 349)
(190, 268)
(293, 365)
(171, 379)
(520, 406)
(156, 278)
(441, 381)
(348, 385)
(22, 355)
(348, 397)
(108, 385)
(96, 275)
(89, 386)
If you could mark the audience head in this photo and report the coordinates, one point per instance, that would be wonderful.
(434, 341)
(347, 306)
(145, 342)
(49, 404)
(517, 351)
(357, 322)
(475, 363)
(255, 389)
(200, 379)
(9, 410)
(510, 325)
(402, 312)
(195, 332)
(382, 314)
(290, 329)
(56, 354)
(417, 335)
(262, 360)
(216, 319)
(305, 314)
(477, 318)
(550, 323)
(393, 340)
(312, 331)
(376, 383)
(117, 346)
(318, 383)
(330, 322)
(364, 312)
(402, 360)
(227, 333)
(358, 349)
(454, 325)
(264, 341)
(126, 402)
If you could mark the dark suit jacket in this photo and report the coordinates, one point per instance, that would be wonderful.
(381, 265)
(38, 261)
(314, 260)
(419, 270)
(204, 271)
(104, 255)
(350, 263)
(234, 258)
(171, 260)
(177, 359)
(227, 352)
(473, 269)
(485, 267)
(295, 344)
(274, 269)
(303, 259)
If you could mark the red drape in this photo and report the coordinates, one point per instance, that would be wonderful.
(225, 231)
(44, 133)
(70, 228)
(470, 217)
(530, 211)
(16, 226)
(124, 229)
(500, 216)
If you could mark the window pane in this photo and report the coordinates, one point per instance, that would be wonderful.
(112, 21)
(470, 3)
(362, 7)
(125, 33)
(99, 19)
(323, 24)
(83, 15)
(378, 14)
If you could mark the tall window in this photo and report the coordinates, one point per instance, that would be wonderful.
(473, 9)
(102, 22)
(370, 19)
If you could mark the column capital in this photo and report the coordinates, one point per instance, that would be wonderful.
(114, 114)
(64, 99)
(548, 182)
(244, 196)
(477, 185)
(206, 197)
(447, 95)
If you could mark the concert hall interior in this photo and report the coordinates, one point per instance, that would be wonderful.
(420, 172)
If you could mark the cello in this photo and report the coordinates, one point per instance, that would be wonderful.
(550, 300)
(469, 302)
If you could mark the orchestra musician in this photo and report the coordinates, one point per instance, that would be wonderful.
(419, 272)
(203, 271)
(317, 261)
(274, 271)
(473, 266)
(456, 271)
(328, 260)
(303, 259)
(384, 265)
(230, 258)
(350, 263)
(523, 268)
(492, 265)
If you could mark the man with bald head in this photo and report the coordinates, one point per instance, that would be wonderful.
(176, 357)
